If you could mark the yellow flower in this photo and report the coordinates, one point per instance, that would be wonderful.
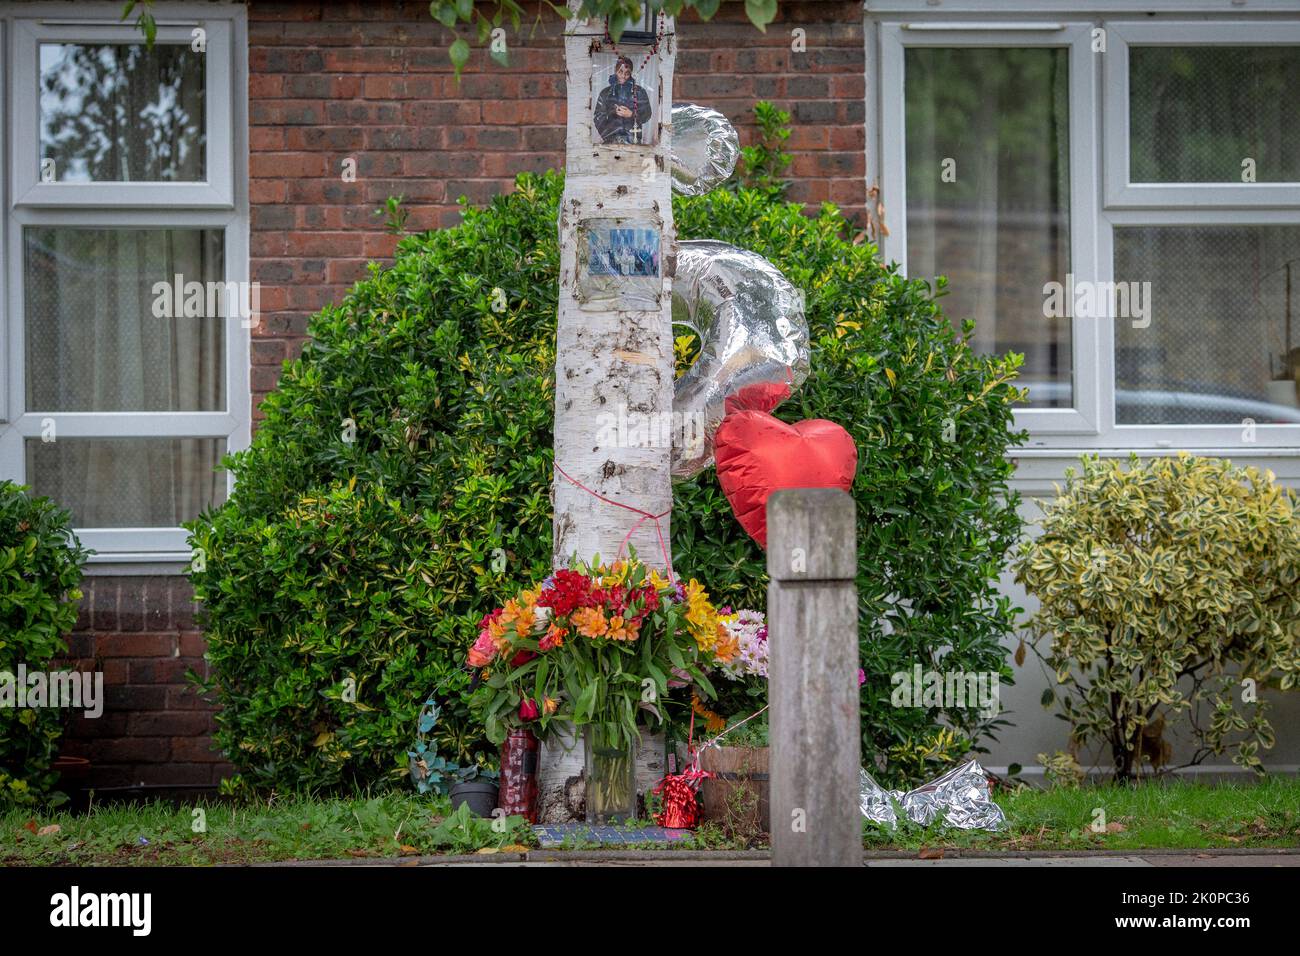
(589, 621)
(550, 705)
(701, 616)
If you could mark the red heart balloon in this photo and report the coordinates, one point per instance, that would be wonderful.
(758, 454)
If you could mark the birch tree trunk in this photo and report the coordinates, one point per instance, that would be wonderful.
(613, 365)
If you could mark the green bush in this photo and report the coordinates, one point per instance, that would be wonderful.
(40, 568)
(1163, 589)
(440, 410)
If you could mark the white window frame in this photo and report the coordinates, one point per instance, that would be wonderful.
(1121, 191)
(1095, 92)
(25, 159)
(221, 203)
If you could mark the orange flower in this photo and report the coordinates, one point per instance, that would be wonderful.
(620, 630)
(713, 722)
(728, 645)
(589, 621)
(554, 638)
(550, 705)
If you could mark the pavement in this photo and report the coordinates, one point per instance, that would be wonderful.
(750, 858)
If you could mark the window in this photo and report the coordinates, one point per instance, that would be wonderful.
(1119, 201)
(126, 302)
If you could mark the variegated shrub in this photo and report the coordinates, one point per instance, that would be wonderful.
(1170, 595)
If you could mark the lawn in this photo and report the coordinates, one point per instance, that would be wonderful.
(1171, 815)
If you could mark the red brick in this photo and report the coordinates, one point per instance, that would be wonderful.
(172, 774)
(265, 352)
(195, 750)
(134, 750)
(193, 643)
(182, 698)
(282, 165)
(162, 723)
(137, 645)
(169, 670)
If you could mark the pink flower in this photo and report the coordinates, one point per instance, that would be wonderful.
(480, 655)
(528, 710)
(862, 677)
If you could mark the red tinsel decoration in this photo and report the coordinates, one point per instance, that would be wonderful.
(681, 811)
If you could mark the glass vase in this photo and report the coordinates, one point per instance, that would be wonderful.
(519, 774)
(611, 777)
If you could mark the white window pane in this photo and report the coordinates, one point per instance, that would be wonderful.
(128, 482)
(988, 186)
(121, 113)
(94, 342)
(1223, 343)
(1196, 114)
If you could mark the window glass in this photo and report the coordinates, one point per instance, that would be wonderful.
(1223, 340)
(988, 186)
(122, 113)
(107, 331)
(1197, 114)
(128, 482)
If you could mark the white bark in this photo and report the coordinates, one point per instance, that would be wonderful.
(607, 361)
(611, 360)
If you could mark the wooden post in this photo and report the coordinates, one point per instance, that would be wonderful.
(812, 621)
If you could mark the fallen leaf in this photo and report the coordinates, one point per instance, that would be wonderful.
(488, 849)
(1115, 827)
(30, 827)
(46, 831)
(408, 850)
(515, 848)
(305, 826)
(930, 853)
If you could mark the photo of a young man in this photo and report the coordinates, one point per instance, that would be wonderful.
(622, 112)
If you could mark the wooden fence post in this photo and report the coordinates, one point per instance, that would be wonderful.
(812, 621)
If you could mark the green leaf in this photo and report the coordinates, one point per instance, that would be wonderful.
(459, 53)
(761, 12)
(443, 12)
(1048, 698)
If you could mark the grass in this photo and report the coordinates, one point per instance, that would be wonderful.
(1172, 815)
(214, 833)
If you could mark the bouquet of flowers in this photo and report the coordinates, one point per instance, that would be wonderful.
(599, 646)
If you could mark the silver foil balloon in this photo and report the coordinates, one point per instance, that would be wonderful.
(961, 796)
(705, 149)
(752, 332)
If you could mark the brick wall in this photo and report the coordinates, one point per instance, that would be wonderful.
(372, 82)
(154, 731)
(331, 81)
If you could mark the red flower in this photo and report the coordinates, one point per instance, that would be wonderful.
(523, 657)
(528, 710)
(569, 591)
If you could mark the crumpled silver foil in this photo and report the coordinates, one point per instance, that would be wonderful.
(961, 795)
(752, 332)
(705, 149)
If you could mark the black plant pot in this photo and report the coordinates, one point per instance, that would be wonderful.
(479, 794)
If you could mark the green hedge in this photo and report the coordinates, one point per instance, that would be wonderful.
(40, 569)
(423, 418)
